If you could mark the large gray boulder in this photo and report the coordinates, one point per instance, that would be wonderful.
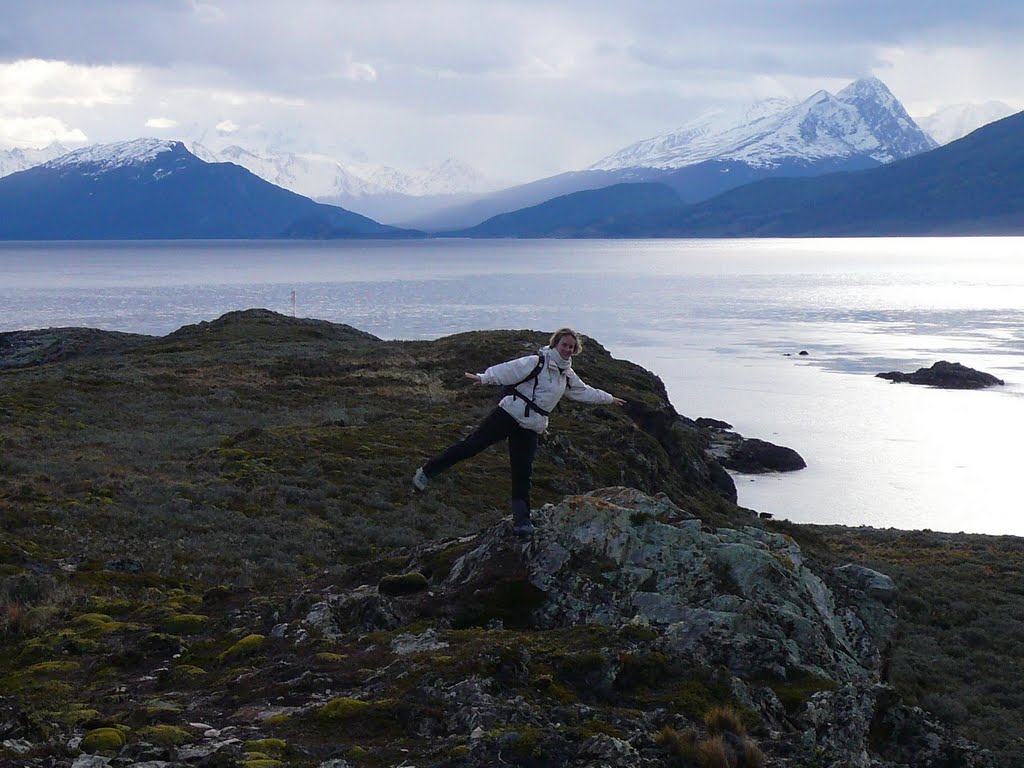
(799, 647)
(741, 598)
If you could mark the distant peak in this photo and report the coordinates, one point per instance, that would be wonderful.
(118, 154)
(865, 86)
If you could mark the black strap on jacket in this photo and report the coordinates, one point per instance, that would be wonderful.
(513, 389)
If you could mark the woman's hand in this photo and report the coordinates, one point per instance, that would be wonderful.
(473, 377)
(618, 401)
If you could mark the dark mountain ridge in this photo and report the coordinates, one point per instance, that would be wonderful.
(973, 186)
(569, 213)
(144, 191)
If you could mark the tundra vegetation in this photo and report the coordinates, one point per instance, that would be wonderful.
(169, 504)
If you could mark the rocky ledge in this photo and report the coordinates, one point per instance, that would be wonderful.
(945, 375)
(747, 455)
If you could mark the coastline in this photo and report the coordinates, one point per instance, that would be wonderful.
(233, 468)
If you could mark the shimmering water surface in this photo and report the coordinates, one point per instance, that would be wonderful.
(714, 318)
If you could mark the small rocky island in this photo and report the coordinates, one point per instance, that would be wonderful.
(945, 375)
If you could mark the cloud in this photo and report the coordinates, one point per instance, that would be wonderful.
(161, 123)
(360, 72)
(933, 77)
(528, 85)
(37, 132)
(31, 82)
(207, 12)
(227, 126)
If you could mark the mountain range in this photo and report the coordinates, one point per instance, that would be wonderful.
(451, 194)
(862, 120)
(674, 184)
(974, 185)
(152, 189)
(863, 126)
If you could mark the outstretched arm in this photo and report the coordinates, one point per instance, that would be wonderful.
(506, 373)
(582, 392)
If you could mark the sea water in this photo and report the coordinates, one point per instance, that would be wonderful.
(722, 322)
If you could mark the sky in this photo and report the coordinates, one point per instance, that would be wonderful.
(518, 90)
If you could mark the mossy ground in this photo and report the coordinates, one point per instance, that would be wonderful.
(163, 499)
(958, 650)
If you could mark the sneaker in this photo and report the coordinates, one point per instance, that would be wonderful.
(524, 529)
(419, 480)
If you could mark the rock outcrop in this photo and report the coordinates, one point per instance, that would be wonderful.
(739, 598)
(802, 652)
(747, 455)
(945, 375)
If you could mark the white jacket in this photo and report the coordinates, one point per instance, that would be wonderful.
(555, 379)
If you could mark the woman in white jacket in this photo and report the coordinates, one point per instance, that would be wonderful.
(535, 384)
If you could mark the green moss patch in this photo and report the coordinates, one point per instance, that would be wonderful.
(247, 646)
(103, 604)
(158, 710)
(330, 659)
(165, 735)
(272, 747)
(183, 675)
(343, 709)
(52, 668)
(374, 718)
(103, 741)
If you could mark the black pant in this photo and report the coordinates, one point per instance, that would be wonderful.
(499, 425)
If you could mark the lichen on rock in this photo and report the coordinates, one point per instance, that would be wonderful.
(739, 597)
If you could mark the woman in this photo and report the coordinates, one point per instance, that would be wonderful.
(534, 385)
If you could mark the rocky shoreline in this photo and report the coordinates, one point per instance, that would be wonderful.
(751, 456)
(212, 558)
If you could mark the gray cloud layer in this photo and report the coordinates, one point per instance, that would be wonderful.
(522, 88)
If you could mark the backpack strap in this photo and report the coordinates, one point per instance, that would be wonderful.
(513, 389)
(534, 375)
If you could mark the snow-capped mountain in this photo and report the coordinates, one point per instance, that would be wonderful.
(955, 121)
(862, 120)
(97, 159)
(156, 189)
(14, 160)
(323, 177)
(700, 136)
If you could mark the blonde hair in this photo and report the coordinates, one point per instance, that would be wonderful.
(557, 336)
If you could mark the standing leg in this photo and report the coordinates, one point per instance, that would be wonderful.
(522, 447)
(495, 427)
